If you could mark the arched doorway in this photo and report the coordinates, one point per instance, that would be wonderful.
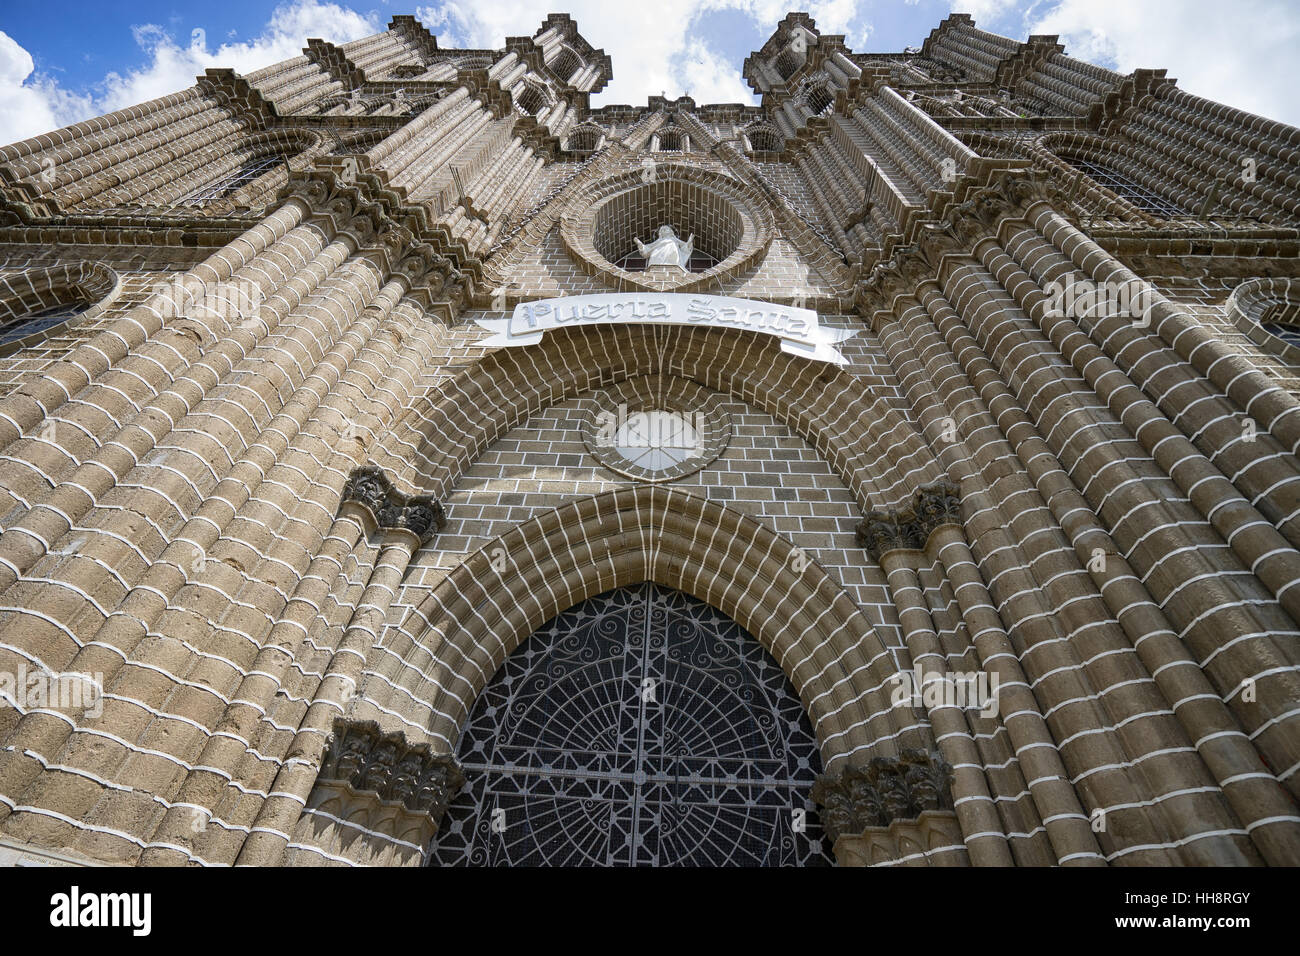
(640, 727)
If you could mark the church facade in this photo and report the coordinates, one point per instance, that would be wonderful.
(405, 462)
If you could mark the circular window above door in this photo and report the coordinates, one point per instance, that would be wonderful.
(657, 428)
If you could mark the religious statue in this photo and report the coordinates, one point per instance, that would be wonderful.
(668, 250)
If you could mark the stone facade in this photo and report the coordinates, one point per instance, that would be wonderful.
(261, 479)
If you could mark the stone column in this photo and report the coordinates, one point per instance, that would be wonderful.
(406, 523)
(893, 542)
(1045, 774)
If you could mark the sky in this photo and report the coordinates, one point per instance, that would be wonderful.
(66, 60)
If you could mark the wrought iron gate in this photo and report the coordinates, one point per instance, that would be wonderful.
(641, 727)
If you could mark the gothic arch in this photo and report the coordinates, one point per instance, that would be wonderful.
(565, 64)
(762, 137)
(431, 668)
(288, 146)
(185, 172)
(878, 455)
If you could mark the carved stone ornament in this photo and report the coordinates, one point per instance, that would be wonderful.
(885, 790)
(422, 515)
(360, 755)
(883, 531)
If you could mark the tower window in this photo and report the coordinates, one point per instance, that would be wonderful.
(670, 140)
(819, 100)
(787, 63)
(584, 140)
(530, 100)
(1126, 188)
(566, 64)
(229, 183)
(764, 141)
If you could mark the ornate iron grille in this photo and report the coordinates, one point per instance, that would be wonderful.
(1283, 320)
(1126, 188)
(226, 185)
(40, 320)
(641, 727)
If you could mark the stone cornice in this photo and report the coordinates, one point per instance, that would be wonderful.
(335, 62)
(418, 34)
(339, 189)
(1031, 57)
(1008, 191)
(934, 506)
(421, 515)
(885, 790)
(240, 97)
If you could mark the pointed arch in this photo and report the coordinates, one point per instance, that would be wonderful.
(876, 452)
(435, 663)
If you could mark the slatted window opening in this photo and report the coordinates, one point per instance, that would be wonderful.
(229, 183)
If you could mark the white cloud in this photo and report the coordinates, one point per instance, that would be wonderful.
(709, 78)
(1242, 58)
(31, 103)
(173, 67)
(1242, 54)
(657, 47)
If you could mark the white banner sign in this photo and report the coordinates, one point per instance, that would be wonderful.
(797, 328)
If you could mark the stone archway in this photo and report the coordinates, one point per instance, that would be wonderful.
(449, 647)
(874, 450)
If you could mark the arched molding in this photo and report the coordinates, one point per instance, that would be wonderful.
(164, 184)
(296, 147)
(878, 455)
(90, 284)
(1258, 301)
(453, 642)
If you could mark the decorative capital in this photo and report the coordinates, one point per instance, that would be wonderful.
(937, 505)
(422, 515)
(360, 755)
(885, 790)
(883, 531)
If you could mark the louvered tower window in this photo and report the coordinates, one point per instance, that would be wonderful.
(1126, 188)
(229, 183)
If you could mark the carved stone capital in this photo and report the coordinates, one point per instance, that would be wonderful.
(885, 790)
(368, 760)
(1008, 193)
(422, 515)
(933, 505)
(883, 531)
(936, 505)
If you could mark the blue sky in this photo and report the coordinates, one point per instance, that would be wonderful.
(89, 58)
